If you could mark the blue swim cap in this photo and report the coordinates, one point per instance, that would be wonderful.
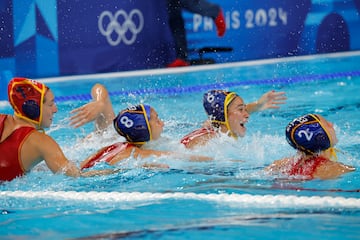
(133, 124)
(215, 103)
(307, 134)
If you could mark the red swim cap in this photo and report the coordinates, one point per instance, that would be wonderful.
(26, 96)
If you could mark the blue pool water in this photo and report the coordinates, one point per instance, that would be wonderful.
(225, 198)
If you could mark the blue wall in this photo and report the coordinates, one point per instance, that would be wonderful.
(41, 38)
(268, 29)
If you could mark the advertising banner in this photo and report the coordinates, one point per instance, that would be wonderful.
(64, 37)
(112, 36)
(270, 29)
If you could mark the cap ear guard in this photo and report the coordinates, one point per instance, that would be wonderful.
(307, 134)
(26, 96)
(31, 109)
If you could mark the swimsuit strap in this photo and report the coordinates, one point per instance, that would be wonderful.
(107, 154)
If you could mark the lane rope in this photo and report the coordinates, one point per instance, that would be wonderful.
(201, 88)
(266, 201)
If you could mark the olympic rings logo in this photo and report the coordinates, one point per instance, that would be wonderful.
(116, 27)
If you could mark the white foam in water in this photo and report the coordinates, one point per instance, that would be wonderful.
(266, 201)
(4, 104)
(254, 149)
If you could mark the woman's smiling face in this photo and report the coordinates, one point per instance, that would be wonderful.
(237, 116)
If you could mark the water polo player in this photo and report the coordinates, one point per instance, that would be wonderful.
(314, 139)
(22, 145)
(138, 125)
(227, 113)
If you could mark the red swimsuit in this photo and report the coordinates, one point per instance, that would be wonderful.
(107, 154)
(306, 168)
(194, 134)
(10, 148)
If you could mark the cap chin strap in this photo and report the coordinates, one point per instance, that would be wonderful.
(36, 123)
(228, 100)
(40, 129)
(331, 152)
(233, 134)
(146, 111)
(138, 143)
(226, 124)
